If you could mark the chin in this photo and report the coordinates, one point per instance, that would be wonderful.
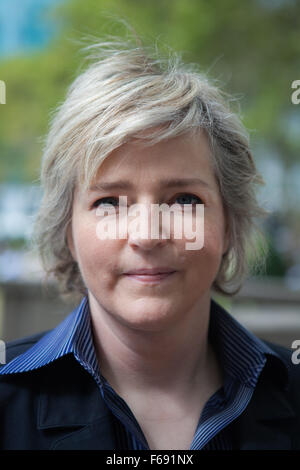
(146, 319)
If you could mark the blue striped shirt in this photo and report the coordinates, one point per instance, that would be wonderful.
(241, 354)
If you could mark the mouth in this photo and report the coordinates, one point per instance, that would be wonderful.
(151, 276)
(151, 271)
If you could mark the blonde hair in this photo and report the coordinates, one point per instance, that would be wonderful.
(125, 90)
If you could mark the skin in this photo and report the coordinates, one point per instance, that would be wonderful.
(151, 339)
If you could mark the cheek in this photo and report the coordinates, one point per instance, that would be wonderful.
(205, 262)
(214, 231)
(85, 241)
(214, 237)
(97, 258)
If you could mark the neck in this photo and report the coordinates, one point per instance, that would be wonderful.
(174, 358)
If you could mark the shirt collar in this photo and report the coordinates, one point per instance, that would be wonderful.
(241, 354)
(66, 338)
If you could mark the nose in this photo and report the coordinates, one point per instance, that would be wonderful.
(145, 230)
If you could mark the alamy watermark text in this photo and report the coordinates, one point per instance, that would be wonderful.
(188, 222)
(295, 97)
(2, 352)
(2, 92)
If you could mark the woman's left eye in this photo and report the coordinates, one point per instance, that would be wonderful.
(187, 196)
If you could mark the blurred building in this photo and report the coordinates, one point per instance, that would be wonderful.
(18, 205)
(25, 25)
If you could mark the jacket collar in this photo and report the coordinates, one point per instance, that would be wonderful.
(71, 404)
(267, 421)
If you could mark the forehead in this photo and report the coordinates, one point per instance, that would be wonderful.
(175, 162)
(188, 155)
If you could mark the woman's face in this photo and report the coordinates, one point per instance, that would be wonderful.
(150, 303)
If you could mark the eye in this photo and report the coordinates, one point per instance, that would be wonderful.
(105, 200)
(186, 198)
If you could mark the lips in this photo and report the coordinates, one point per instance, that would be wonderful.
(151, 275)
(150, 271)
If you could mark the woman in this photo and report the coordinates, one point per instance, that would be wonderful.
(148, 360)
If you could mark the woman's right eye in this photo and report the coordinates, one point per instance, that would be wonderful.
(105, 200)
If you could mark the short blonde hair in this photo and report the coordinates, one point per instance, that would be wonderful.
(125, 90)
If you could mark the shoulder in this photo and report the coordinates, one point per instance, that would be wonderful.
(289, 357)
(291, 360)
(17, 347)
(271, 419)
(283, 371)
(13, 383)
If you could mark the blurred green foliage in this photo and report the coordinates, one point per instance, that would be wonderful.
(275, 265)
(252, 48)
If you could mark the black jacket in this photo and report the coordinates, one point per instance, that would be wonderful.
(59, 406)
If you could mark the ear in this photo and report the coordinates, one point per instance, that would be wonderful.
(70, 241)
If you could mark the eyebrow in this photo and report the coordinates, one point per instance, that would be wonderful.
(167, 183)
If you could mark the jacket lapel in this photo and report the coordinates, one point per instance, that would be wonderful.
(71, 408)
(268, 420)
